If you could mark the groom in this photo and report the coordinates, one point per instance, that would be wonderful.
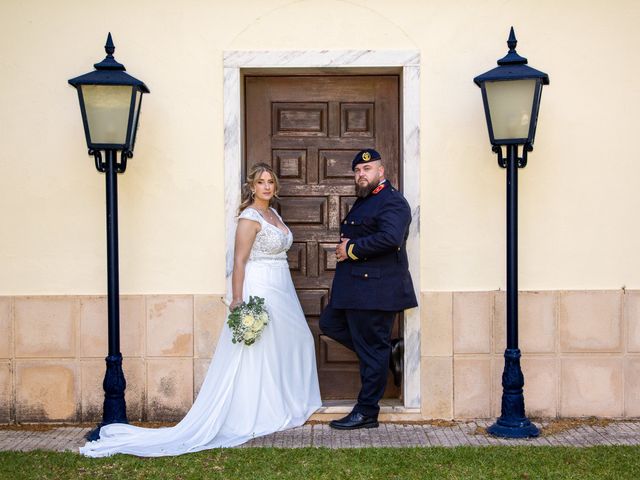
(371, 284)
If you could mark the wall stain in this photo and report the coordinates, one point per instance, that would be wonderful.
(180, 345)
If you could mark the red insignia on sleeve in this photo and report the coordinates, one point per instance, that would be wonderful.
(378, 188)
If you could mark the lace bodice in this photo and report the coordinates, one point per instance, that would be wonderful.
(271, 242)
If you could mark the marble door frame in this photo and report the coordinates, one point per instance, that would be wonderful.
(407, 63)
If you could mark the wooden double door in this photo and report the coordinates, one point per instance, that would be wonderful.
(309, 128)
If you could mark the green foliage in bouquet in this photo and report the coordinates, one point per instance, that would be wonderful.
(248, 320)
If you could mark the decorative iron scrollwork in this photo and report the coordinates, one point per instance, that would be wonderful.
(502, 163)
(122, 165)
(521, 161)
(101, 165)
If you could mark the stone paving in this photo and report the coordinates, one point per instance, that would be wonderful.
(451, 434)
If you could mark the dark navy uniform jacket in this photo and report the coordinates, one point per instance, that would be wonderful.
(376, 274)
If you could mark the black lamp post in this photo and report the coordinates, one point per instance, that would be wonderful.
(511, 96)
(110, 104)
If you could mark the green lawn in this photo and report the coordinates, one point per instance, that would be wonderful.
(320, 463)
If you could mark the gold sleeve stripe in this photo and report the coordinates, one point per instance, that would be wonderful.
(350, 252)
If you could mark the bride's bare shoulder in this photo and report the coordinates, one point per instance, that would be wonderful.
(249, 218)
(249, 214)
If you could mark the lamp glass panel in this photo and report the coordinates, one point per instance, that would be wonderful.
(107, 108)
(510, 106)
(134, 123)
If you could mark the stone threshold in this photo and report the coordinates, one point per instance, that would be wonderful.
(390, 410)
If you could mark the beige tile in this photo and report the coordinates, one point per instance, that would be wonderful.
(94, 326)
(47, 390)
(46, 326)
(209, 317)
(200, 368)
(436, 387)
(472, 387)
(497, 367)
(536, 322)
(92, 374)
(6, 326)
(540, 386)
(169, 387)
(133, 319)
(472, 313)
(92, 394)
(632, 317)
(135, 372)
(632, 386)
(590, 321)
(436, 326)
(591, 386)
(6, 388)
(170, 325)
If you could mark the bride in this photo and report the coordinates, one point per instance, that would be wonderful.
(248, 391)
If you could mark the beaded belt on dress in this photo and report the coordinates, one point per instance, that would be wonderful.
(270, 261)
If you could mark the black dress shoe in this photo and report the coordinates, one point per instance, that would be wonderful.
(354, 420)
(396, 360)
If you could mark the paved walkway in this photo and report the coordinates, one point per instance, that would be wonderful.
(447, 434)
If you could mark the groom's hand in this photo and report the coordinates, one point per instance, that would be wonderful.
(341, 249)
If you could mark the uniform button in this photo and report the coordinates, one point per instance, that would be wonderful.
(398, 248)
(366, 275)
(352, 222)
(345, 222)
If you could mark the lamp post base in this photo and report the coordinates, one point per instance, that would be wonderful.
(511, 429)
(115, 407)
(513, 422)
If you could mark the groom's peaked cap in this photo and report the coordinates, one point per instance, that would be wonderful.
(364, 156)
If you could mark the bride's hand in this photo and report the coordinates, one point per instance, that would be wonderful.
(235, 303)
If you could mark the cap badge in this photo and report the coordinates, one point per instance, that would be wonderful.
(366, 156)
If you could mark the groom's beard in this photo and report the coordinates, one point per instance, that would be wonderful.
(363, 191)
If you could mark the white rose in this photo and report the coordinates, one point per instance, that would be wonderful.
(249, 335)
(248, 320)
(264, 318)
(257, 325)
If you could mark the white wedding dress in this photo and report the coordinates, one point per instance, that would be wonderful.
(248, 391)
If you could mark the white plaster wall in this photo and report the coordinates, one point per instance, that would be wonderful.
(579, 194)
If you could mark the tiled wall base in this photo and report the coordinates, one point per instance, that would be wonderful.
(52, 353)
(581, 355)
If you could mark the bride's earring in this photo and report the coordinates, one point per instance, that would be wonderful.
(253, 194)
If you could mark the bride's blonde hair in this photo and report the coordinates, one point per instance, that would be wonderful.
(253, 175)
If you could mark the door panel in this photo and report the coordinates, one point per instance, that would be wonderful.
(309, 128)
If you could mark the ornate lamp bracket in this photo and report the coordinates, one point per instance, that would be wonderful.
(497, 149)
(502, 161)
(122, 165)
(101, 165)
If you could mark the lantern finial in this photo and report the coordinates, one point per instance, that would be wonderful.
(110, 47)
(511, 43)
(512, 58)
(109, 63)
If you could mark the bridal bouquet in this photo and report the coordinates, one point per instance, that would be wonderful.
(247, 321)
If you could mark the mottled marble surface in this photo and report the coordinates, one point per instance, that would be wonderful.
(321, 58)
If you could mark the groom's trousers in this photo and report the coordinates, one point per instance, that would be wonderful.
(368, 334)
